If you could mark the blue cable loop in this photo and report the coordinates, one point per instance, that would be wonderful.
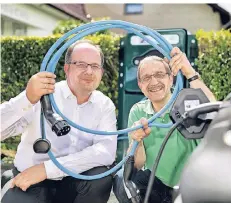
(90, 28)
(52, 64)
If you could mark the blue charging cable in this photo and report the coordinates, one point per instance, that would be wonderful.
(50, 62)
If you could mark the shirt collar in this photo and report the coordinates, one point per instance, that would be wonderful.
(68, 94)
(150, 110)
(148, 107)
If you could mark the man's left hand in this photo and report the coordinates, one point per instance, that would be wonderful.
(30, 176)
(179, 61)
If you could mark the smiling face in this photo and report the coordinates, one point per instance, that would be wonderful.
(84, 70)
(155, 79)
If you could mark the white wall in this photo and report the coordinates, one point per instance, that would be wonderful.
(40, 19)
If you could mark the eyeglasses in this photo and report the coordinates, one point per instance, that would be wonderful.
(83, 65)
(157, 76)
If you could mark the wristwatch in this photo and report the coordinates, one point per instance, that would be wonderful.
(195, 77)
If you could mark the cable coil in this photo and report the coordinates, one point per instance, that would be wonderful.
(51, 59)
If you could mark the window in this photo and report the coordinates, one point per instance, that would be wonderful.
(133, 9)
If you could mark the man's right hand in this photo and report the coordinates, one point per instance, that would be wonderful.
(139, 134)
(40, 84)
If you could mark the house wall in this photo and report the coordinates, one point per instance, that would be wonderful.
(189, 16)
(28, 19)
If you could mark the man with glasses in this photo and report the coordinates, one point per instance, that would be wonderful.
(35, 178)
(155, 79)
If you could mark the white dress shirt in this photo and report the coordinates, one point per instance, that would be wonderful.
(78, 151)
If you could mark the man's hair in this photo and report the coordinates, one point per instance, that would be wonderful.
(71, 48)
(153, 58)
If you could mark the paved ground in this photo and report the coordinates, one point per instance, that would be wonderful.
(112, 198)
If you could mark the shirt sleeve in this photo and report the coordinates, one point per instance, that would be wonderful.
(15, 115)
(101, 153)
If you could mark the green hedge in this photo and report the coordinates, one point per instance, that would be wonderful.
(214, 61)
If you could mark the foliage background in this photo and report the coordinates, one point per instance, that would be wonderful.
(214, 61)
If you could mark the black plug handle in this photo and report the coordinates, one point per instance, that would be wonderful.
(129, 170)
(203, 108)
(57, 124)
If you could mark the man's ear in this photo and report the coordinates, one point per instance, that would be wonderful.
(66, 68)
(139, 84)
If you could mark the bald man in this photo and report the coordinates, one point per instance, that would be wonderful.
(35, 178)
